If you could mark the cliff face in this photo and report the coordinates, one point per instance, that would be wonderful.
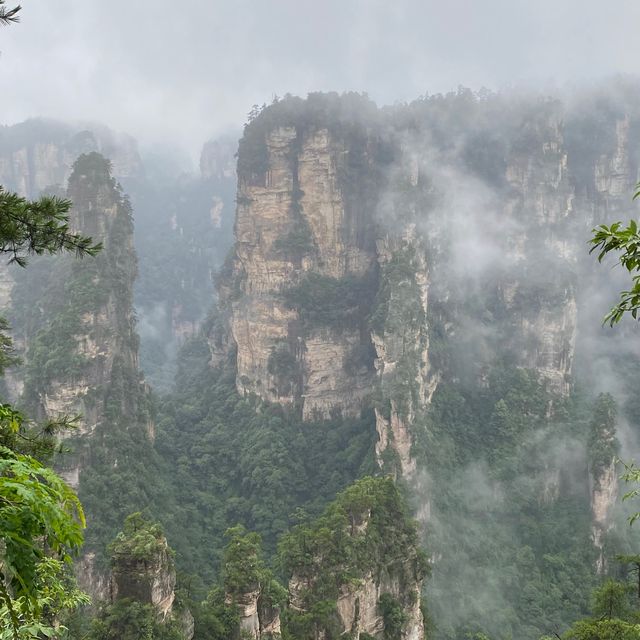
(296, 227)
(540, 202)
(603, 449)
(251, 594)
(76, 321)
(38, 155)
(349, 227)
(257, 620)
(150, 580)
(604, 494)
(89, 313)
(400, 336)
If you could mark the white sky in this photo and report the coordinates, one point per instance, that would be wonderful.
(179, 72)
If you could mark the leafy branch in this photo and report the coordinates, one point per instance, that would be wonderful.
(631, 474)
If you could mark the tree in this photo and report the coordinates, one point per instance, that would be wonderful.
(634, 561)
(631, 474)
(7, 16)
(610, 600)
(625, 241)
(612, 618)
(41, 521)
(603, 630)
(41, 518)
(36, 227)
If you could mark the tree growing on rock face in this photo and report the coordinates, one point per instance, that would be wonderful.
(612, 617)
(141, 561)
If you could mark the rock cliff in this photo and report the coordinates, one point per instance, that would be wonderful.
(349, 226)
(76, 321)
(88, 313)
(251, 593)
(400, 336)
(299, 227)
(257, 620)
(603, 448)
(357, 570)
(148, 577)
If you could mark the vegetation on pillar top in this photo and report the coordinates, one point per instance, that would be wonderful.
(365, 528)
(141, 539)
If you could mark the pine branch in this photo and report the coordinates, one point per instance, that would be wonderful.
(8, 16)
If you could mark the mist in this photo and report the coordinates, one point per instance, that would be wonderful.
(176, 74)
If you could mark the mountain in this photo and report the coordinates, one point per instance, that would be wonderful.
(408, 314)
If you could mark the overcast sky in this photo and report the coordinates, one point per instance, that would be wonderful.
(181, 71)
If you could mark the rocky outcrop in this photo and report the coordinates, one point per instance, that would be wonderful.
(603, 478)
(150, 580)
(613, 172)
(39, 154)
(251, 594)
(377, 588)
(258, 620)
(91, 579)
(604, 495)
(361, 609)
(328, 201)
(142, 570)
(74, 319)
(217, 158)
(400, 336)
(540, 207)
(319, 201)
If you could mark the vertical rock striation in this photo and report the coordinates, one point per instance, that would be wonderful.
(77, 323)
(342, 225)
(297, 226)
(400, 335)
(88, 313)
